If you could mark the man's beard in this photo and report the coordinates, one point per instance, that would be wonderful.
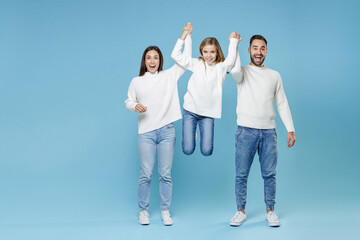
(256, 64)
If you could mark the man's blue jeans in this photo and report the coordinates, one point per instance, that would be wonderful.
(160, 142)
(206, 126)
(248, 142)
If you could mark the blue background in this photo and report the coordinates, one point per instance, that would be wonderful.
(68, 147)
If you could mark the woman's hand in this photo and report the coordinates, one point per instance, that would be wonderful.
(189, 27)
(186, 31)
(140, 108)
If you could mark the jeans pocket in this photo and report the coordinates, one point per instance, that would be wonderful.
(240, 130)
(170, 125)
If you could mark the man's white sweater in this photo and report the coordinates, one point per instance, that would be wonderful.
(257, 88)
(159, 93)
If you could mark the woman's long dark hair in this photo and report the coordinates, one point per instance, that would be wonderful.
(143, 69)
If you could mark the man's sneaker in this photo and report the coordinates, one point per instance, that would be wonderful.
(238, 219)
(272, 219)
(144, 218)
(165, 215)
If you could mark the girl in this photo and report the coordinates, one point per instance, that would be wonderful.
(203, 99)
(154, 95)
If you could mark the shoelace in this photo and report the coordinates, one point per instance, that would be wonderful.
(238, 214)
(272, 216)
(144, 214)
(166, 214)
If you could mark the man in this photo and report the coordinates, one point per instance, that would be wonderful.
(258, 86)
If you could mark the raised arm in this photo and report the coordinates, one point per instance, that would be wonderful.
(187, 30)
(131, 103)
(177, 70)
(184, 59)
(229, 62)
(237, 72)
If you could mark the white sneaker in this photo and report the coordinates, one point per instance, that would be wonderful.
(144, 218)
(165, 215)
(238, 219)
(272, 219)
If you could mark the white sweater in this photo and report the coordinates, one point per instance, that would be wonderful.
(257, 88)
(159, 93)
(204, 92)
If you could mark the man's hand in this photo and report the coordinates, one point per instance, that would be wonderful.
(140, 108)
(235, 35)
(232, 35)
(238, 37)
(291, 139)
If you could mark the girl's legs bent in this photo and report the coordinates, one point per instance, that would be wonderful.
(206, 126)
(147, 154)
(188, 132)
(165, 151)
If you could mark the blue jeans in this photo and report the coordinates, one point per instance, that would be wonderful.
(248, 142)
(206, 126)
(160, 142)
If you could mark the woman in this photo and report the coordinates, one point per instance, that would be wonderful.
(154, 95)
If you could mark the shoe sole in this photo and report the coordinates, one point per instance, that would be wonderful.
(146, 223)
(273, 224)
(236, 224)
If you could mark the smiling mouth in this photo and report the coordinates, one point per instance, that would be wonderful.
(258, 57)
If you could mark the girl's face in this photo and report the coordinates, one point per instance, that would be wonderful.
(209, 53)
(152, 61)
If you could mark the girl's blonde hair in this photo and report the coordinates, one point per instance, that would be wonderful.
(212, 41)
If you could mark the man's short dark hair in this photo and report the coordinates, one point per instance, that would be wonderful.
(259, 37)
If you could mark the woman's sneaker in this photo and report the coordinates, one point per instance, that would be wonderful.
(165, 215)
(144, 218)
(272, 219)
(238, 219)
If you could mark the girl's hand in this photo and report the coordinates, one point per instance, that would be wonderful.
(189, 27)
(140, 108)
(235, 35)
(186, 31)
(232, 35)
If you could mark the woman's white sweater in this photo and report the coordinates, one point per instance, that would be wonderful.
(159, 93)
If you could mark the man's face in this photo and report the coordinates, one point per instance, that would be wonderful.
(257, 52)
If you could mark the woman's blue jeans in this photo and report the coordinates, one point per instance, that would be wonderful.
(206, 126)
(248, 142)
(160, 142)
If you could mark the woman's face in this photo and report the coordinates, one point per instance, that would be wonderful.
(152, 61)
